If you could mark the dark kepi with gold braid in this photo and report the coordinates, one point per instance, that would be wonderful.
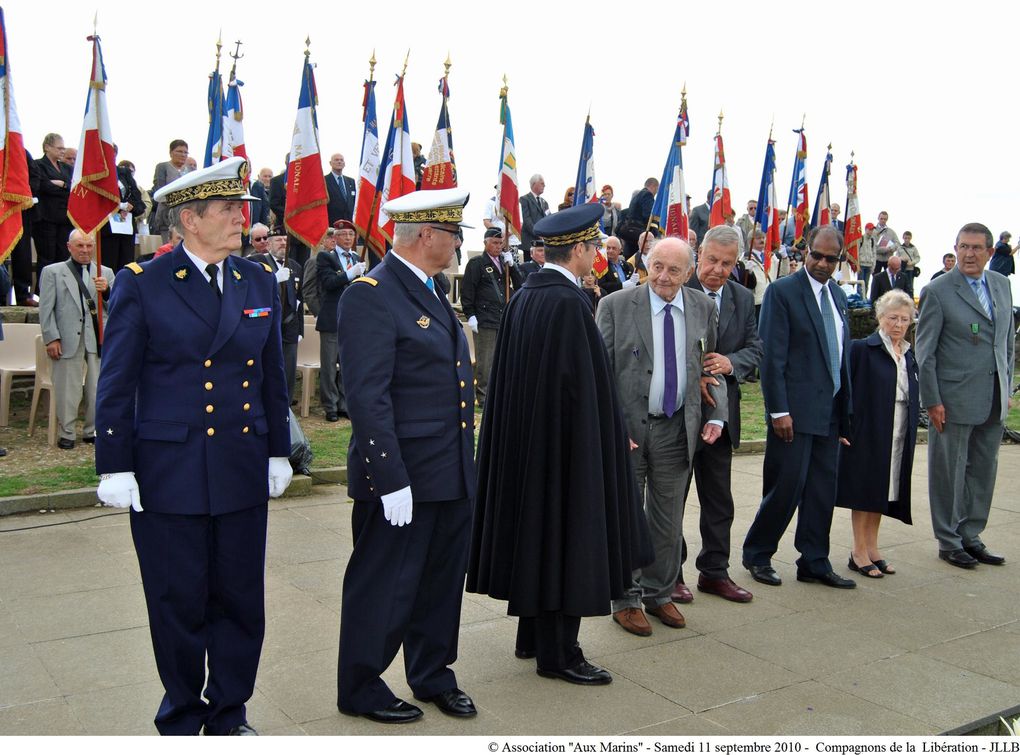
(571, 226)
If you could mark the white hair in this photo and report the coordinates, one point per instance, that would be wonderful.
(407, 233)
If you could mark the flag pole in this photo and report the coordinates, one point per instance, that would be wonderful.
(364, 256)
(98, 231)
(506, 223)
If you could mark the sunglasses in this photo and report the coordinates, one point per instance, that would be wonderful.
(447, 230)
(259, 238)
(832, 259)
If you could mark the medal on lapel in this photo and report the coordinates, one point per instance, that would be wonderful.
(424, 322)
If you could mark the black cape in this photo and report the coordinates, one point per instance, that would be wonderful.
(558, 522)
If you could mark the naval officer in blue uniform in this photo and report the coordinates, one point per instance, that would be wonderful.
(410, 468)
(192, 433)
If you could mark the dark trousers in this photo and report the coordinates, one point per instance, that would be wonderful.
(204, 580)
(797, 474)
(712, 465)
(21, 263)
(290, 366)
(50, 245)
(552, 636)
(117, 250)
(403, 586)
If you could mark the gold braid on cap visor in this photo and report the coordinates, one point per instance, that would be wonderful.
(436, 215)
(225, 188)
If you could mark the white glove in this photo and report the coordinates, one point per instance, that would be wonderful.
(283, 274)
(120, 490)
(473, 323)
(280, 473)
(632, 281)
(355, 271)
(508, 258)
(397, 507)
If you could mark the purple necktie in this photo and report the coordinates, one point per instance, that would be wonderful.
(669, 355)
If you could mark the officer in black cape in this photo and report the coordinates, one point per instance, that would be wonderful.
(558, 524)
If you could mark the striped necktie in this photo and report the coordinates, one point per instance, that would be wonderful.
(979, 289)
(829, 320)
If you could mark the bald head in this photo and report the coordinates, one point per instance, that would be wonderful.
(669, 267)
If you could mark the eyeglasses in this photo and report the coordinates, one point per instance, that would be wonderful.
(898, 319)
(259, 238)
(832, 259)
(447, 230)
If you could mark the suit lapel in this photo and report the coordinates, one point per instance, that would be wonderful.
(727, 308)
(235, 293)
(72, 285)
(811, 303)
(194, 289)
(966, 292)
(643, 318)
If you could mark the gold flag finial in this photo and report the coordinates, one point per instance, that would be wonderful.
(447, 63)
(829, 147)
(308, 45)
(505, 88)
(371, 66)
(683, 91)
(720, 121)
(236, 54)
(406, 58)
(802, 119)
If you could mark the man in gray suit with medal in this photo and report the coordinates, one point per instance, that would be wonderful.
(965, 353)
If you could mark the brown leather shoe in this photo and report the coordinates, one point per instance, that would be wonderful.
(669, 615)
(682, 594)
(633, 620)
(724, 588)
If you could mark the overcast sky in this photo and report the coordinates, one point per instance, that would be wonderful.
(926, 99)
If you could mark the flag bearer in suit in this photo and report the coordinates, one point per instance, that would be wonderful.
(410, 466)
(192, 433)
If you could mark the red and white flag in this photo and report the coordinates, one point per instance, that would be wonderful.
(507, 197)
(15, 194)
(94, 191)
(852, 233)
(305, 216)
(396, 176)
(232, 144)
(441, 170)
(721, 207)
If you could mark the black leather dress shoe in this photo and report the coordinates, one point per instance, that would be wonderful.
(959, 558)
(524, 654)
(244, 730)
(582, 673)
(65, 444)
(332, 417)
(397, 712)
(90, 439)
(829, 579)
(764, 574)
(985, 556)
(453, 702)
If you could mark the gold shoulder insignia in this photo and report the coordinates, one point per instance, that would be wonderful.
(267, 267)
(366, 279)
(135, 268)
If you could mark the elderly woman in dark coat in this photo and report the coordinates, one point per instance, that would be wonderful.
(874, 470)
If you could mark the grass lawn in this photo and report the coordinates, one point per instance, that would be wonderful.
(32, 467)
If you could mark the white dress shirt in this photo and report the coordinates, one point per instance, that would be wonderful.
(657, 387)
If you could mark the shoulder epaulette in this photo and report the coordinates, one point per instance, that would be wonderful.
(267, 267)
(366, 279)
(135, 268)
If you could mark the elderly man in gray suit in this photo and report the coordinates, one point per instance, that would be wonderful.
(657, 336)
(965, 344)
(68, 316)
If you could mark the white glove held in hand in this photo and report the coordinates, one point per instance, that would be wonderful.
(356, 271)
(473, 323)
(280, 473)
(508, 258)
(120, 490)
(397, 507)
(632, 281)
(283, 274)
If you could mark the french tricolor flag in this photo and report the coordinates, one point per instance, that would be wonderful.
(368, 176)
(396, 176)
(233, 131)
(94, 191)
(305, 215)
(15, 194)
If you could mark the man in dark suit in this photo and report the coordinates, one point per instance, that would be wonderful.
(193, 435)
(965, 355)
(292, 319)
(699, 218)
(411, 469)
(620, 273)
(890, 278)
(340, 189)
(533, 209)
(805, 379)
(335, 270)
(834, 210)
(737, 354)
(537, 261)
